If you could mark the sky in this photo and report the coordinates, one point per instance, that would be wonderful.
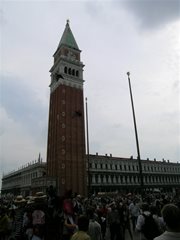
(137, 36)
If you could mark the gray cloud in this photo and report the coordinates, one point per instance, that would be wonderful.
(93, 8)
(2, 18)
(22, 105)
(154, 13)
(176, 85)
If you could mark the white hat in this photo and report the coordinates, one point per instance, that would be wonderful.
(40, 196)
(19, 199)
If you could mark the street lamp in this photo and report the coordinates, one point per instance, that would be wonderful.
(136, 135)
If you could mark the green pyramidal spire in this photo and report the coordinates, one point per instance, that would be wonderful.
(68, 38)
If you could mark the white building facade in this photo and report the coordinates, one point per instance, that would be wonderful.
(106, 174)
(113, 174)
(20, 181)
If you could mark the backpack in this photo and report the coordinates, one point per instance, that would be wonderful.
(150, 228)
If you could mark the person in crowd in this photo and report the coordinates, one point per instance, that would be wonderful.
(69, 226)
(27, 223)
(83, 225)
(113, 222)
(101, 219)
(102, 215)
(125, 219)
(36, 234)
(38, 215)
(20, 203)
(94, 230)
(51, 199)
(158, 206)
(171, 216)
(55, 219)
(4, 223)
(11, 215)
(158, 219)
(77, 205)
(134, 212)
(146, 224)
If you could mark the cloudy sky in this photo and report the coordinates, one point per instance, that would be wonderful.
(140, 36)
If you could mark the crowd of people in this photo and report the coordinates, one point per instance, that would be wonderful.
(73, 217)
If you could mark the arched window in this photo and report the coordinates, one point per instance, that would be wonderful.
(73, 72)
(77, 73)
(125, 179)
(69, 71)
(96, 178)
(65, 70)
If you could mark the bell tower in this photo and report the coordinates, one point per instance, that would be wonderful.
(66, 131)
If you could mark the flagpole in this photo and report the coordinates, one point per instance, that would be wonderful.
(87, 141)
(136, 135)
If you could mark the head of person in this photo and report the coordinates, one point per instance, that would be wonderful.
(90, 212)
(83, 223)
(145, 207)
(68, 194)
(171, 216)
(68, 207)
(20, 202)
(3, 211)
(153, 210)
(113, 206)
